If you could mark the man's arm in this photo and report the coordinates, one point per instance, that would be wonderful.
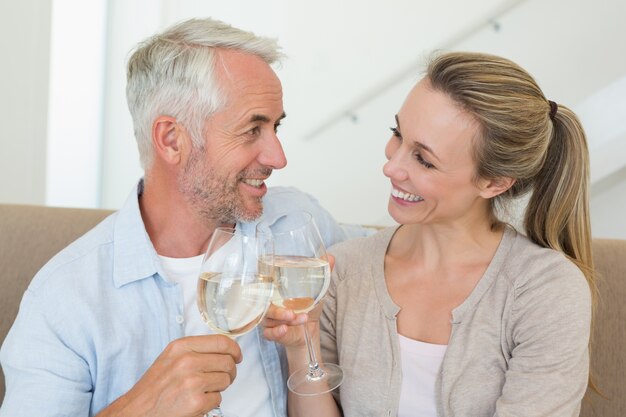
(46, 374)
(185, 380)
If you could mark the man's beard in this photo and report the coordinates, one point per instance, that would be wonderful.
(215, 197)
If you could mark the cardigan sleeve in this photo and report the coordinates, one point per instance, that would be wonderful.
(550, 322)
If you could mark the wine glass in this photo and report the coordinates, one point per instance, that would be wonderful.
(235, 287)
(301, 279)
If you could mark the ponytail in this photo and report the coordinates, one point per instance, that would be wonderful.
(557, 215)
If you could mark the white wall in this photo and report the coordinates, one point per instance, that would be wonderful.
(348, 70)
(25, 48)
(608, 219)
(75, 99)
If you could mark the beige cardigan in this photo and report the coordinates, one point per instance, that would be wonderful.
(518, 347)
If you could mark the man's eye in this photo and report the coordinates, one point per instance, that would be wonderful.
(255, 131)
(396, 132)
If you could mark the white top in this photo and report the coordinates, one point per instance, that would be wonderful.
(248, 395)
(420, 366)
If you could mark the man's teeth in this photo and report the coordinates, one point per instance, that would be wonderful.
(254, 183)
(405, 196)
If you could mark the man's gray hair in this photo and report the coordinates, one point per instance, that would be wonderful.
(173, 74)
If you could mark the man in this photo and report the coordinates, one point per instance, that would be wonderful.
(109, 326)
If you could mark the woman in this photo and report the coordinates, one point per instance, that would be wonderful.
(455, 313)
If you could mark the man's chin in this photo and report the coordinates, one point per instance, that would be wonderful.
(250, 212)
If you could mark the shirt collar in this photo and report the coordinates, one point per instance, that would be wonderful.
(134, 255)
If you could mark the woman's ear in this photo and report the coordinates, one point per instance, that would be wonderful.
(496, 186)
(168, 138)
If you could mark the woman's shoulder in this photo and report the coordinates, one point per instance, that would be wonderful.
(530, 255)
(547, 289)
(531, 266)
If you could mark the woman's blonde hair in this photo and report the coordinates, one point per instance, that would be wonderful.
(524, 136)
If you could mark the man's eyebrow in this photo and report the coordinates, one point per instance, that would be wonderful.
(418, 144)
(259, 118)
(263, 118)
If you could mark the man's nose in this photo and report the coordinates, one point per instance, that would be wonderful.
(272, 154)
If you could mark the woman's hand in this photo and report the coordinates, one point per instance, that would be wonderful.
(283, 326)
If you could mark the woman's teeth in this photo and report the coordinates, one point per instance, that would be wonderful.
(405, 196)
(253, 183)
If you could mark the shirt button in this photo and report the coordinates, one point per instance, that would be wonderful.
(180, 319)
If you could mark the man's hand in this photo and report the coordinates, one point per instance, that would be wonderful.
(184, 381)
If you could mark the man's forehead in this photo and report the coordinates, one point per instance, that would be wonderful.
(237, 67)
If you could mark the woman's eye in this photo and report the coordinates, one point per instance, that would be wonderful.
(422, 161)
(396, 132)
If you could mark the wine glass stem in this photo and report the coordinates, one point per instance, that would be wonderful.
(315, 372)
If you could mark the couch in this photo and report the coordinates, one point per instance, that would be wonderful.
(30, 235)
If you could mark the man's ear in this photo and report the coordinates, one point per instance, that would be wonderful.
(168, 138)
(496, 186)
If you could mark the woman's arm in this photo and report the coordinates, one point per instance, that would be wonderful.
(548, 370)
(285, 327)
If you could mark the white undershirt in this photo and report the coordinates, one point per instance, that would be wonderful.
(248, 395)
(420, 366)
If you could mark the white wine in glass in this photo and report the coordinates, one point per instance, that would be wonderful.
(233, 306)
(301, 279)
(234, 286)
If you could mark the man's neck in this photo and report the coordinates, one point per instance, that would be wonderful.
(175, 229)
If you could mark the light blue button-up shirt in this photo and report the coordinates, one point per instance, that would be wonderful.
(98, 314)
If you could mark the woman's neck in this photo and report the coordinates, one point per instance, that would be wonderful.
(446, 244)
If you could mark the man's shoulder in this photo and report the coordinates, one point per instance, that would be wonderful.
(282, 199)
(293, 195)
(78, 256)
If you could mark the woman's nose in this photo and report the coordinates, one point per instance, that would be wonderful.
(394, 168)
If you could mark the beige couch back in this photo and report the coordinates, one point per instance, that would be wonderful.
(608, 351)
(30, 235)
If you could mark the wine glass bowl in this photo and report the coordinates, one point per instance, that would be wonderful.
(300, 282)
(233, 305)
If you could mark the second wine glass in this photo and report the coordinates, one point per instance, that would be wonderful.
(235, 284)
(301, 279)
